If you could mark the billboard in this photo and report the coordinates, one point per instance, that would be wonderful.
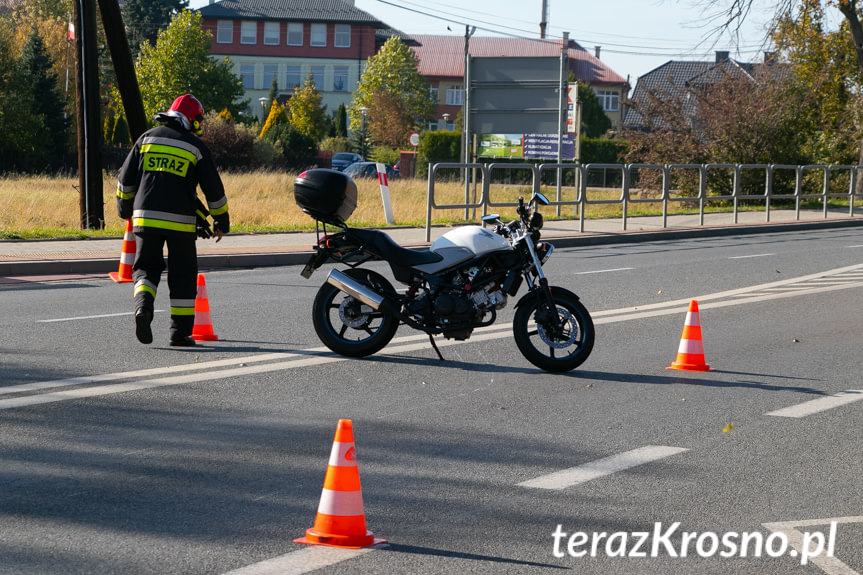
(525, 146)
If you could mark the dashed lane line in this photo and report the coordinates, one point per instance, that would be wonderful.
(820, 404)
(302, 561)
(602, 467)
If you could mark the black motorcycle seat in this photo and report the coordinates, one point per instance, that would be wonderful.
(383, 246)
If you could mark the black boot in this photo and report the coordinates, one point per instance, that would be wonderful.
(182, 341)
(143, 318)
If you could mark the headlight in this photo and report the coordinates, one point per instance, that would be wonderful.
(543, 251)
(536, 221)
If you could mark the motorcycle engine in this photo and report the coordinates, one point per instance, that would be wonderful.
(461, 306)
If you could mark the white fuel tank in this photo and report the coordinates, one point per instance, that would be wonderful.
(477, 239)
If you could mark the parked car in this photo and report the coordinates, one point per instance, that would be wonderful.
(368, 170)
(342, 160)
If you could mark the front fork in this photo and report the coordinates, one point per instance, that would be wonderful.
(546, 313)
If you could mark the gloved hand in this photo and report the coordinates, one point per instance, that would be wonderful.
(222, 223)
(202, 227)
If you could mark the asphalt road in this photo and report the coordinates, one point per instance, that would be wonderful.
(121, 458)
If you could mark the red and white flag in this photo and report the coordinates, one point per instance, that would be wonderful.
(71, 33)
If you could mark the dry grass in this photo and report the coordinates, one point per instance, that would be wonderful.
(48, 207)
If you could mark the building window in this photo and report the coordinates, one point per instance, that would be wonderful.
(432, 127)
(435, 94)
(293, 77)
(343, 36)
(249, 33)
(340, 78)
(317, 73)
(225, 32)
(271, 72)
(295, 34)
(319, 35)
(271, 33)
(610, 101)
(454, 96)
(247, 73)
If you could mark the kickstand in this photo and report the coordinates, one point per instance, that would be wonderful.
(434, 345)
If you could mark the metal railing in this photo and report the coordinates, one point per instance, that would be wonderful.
(707, 183)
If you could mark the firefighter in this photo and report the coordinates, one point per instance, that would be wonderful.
(157, 188)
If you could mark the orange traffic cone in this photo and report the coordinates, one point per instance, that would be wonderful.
(127, 257)
(203, 329)
(340, 521)
(690, 354)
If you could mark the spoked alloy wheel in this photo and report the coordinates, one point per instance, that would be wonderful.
(348, 326)
(547, 344)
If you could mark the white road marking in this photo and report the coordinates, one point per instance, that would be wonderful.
(820, 404)
(302, 561)
(830, 565)
(750, 256)
(603, 271)
(313, 356)
(602, 467)
(90, 317)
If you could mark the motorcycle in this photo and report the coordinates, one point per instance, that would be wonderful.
(454, 287)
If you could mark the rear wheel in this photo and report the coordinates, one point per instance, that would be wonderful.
(348, 326)
(550, 343)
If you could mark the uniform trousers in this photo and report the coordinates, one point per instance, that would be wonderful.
(182, 276)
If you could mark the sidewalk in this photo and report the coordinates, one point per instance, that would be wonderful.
(19, 258)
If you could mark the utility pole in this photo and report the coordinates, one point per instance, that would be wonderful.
(563, 90)
(543, 20)
(87, 111)
(124, 69)
(465, 141)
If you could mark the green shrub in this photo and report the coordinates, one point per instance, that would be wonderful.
(437, 147)
(336, 144)
(385, 155)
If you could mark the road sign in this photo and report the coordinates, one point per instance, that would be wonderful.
(414, 139)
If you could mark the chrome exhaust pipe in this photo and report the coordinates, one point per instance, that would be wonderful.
(355, 289)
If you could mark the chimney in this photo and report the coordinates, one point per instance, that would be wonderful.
(596, 50)
(721, 56)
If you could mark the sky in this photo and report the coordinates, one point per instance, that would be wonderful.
(635, 36)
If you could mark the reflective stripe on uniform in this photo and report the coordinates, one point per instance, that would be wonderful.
(182, 307)
(218, 207)
(126, 192)
(163, 220)
(172, 143)
(182, 310)
(171, 150)
(145, 286)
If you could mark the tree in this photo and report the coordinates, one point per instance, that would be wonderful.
(180, 63)
(44, 99)
(31, 111)
(825, 72)
(391, 76)
(734, 12)
(144, 19)
(593, 119)
(341, 122)
(305, 112)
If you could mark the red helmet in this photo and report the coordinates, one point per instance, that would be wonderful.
(191, 110)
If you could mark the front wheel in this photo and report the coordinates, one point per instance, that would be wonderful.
(348, 326)
(550, 345)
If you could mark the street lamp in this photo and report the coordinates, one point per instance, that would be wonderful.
(446, 121)
(365, 112)
(263, 102)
